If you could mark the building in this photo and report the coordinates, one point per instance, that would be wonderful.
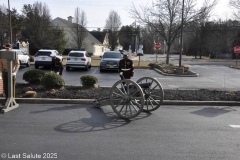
(94, 42)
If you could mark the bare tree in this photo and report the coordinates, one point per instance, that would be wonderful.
(164, 17)
(235, 4)
(79, 28)
(112, 26)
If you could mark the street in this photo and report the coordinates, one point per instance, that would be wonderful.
(77, 131)
(172, 132)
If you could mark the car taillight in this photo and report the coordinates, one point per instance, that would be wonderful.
(83, 59)
(68, 58)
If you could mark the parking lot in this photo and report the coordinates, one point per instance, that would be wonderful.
(210, 77)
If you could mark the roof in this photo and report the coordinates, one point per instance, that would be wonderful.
(90, 37)
(77, 51)
(99, 35)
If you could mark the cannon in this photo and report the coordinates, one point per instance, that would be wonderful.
(129, 98)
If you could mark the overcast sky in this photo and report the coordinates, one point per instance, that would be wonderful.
(97, 11)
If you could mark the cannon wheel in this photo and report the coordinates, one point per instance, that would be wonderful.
(153, 94)
(126, 99)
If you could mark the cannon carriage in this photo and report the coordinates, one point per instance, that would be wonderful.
(129, 98)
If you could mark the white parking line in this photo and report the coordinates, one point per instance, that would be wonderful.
(234, 126)
(95, 70)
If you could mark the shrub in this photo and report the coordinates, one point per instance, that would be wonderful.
(52, 80)
(88, 80)
(33, 76)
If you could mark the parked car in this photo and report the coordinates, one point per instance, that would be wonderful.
(78, 59)
(43, 58)
(110, 60)
(24, 59)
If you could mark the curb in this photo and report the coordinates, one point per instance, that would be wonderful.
(193, 74)
(90, 101)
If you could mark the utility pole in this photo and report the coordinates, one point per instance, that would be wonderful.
(10, 22)
(181, 37)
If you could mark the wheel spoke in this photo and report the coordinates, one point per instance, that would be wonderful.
(154, 94)
(136, 109)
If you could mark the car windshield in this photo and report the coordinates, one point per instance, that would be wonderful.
(76, 54)
(111, 55)
(20, 53)
(42, 53)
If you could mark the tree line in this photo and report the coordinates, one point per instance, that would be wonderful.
(162, 21)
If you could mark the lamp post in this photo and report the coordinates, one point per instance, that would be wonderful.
(10, 23)
(181, 37)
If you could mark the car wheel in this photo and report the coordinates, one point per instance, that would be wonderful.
(86, 67)
(67, 68)
(90, 65)
(36, 66)
(28, 63)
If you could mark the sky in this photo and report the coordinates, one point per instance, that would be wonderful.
(97, 11)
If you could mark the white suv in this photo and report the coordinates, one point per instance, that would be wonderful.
(43, 58)
(78, 59)
(24, 59)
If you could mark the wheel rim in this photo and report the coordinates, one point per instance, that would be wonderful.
(153, 93)
(126, 101)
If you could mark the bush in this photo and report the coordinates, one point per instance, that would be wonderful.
(52, 80)
(33, 76)
(88, 80)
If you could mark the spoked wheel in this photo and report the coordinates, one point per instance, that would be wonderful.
(153, 93)
(126, 99)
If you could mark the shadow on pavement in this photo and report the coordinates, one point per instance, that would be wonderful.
(213, 112)
(99, 120)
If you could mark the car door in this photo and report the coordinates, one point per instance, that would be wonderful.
(21, 56)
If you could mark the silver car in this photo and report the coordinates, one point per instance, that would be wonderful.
(110, 60)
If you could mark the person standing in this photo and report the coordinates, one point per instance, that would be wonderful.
(4, 70)
(126, 67)
(57, 65)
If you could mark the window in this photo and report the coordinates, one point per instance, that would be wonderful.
(42, 53)
(111, 55)
(76, 54)
(20, 53)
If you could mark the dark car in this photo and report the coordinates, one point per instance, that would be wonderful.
(110, 60)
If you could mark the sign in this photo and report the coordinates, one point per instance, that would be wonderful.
(157, 46)
(237, 50)
(140, 50)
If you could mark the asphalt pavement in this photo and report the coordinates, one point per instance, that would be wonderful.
(82, 132)
(74, 129)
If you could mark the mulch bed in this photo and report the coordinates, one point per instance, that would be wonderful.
(79, 92)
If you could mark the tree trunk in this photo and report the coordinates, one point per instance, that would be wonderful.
(168, 52)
